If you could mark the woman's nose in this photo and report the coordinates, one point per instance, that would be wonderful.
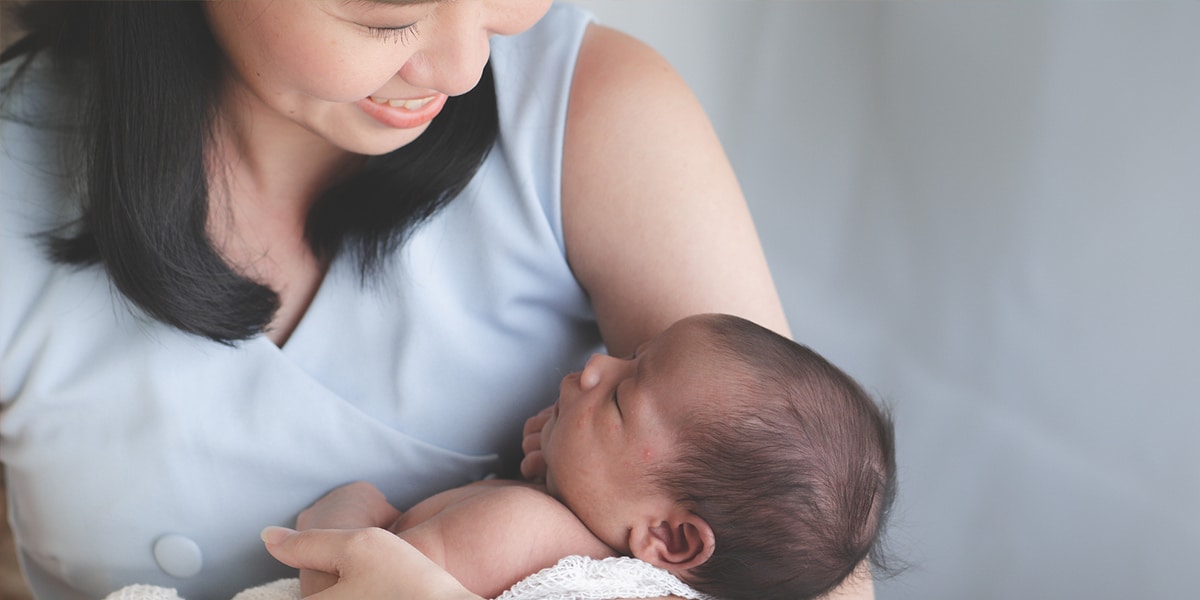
(453, 59)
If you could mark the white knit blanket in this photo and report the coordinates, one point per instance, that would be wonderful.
(573, 578)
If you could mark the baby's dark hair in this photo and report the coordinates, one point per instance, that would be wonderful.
(796, 477)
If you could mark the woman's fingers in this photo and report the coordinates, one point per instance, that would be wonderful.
(370, 563)
(315, 549)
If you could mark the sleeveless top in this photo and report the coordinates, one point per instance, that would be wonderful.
(135, 453)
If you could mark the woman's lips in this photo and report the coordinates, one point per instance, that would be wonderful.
(412, 104)
(403, 113)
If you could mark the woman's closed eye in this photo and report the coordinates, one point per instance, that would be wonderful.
(402, 34)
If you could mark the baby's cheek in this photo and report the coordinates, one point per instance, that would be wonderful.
(588, 416)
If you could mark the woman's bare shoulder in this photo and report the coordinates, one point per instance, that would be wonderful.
(655, 223)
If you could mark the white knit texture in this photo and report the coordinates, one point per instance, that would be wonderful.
(582, 578)
(573, 578)
(283, 589)
(144, 592)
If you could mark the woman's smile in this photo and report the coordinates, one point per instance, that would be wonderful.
(410, 104)
(403, 113)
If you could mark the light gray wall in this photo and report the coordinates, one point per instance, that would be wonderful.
(986, 212)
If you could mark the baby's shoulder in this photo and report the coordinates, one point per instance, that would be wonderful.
(518, 495)
(529, 507)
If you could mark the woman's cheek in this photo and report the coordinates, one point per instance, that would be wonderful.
(338, 70)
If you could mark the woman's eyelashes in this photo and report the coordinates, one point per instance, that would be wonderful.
(402, 34)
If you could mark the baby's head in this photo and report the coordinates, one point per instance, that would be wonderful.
(727, 454)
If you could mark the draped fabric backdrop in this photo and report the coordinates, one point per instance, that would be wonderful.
(988, 213)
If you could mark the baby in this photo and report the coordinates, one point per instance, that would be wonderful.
(737, 460)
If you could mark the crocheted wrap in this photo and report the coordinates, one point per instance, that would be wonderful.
(572, 578)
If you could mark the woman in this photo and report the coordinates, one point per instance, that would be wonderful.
(282, 246)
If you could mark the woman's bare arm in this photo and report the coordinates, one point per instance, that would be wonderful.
(655, 223)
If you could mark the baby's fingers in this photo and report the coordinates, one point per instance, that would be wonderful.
(531, 443)
(535, 423)
(533, 466)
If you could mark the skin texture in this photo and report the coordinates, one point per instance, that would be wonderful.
(614, 424)
(373, 563)
(656, 225)
(655, 222)
(492, 534)
(290, 123)
(459, 531)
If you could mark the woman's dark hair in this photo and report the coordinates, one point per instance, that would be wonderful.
(146, 76)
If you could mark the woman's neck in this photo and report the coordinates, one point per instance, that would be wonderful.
(263, 157)
(266, 174)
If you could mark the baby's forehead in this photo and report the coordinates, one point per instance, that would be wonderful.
(697, 344)
(708, 381)
(691, 336)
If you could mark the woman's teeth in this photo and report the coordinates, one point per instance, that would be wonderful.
(405, 104)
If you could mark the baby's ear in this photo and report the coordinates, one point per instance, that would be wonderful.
(682, 542)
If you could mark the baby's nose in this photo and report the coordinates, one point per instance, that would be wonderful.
(593, 371)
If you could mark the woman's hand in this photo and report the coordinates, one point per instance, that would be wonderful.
(533, 466)
(351, 506)
(369, 563)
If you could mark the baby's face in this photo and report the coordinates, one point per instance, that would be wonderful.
(616, 423)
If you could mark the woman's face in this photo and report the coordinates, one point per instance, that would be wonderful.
(366, 75)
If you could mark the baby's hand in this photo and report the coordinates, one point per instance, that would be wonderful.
(351, 506)
(533, 466)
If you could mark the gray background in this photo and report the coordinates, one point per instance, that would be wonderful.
(986, 212)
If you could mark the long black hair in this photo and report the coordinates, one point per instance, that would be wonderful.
(146, 75)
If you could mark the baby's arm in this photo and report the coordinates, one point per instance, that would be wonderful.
(351, 506)
(492, 534)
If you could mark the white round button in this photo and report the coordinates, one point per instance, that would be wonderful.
(177, 555)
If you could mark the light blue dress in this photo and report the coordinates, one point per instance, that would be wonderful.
(139, 454)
